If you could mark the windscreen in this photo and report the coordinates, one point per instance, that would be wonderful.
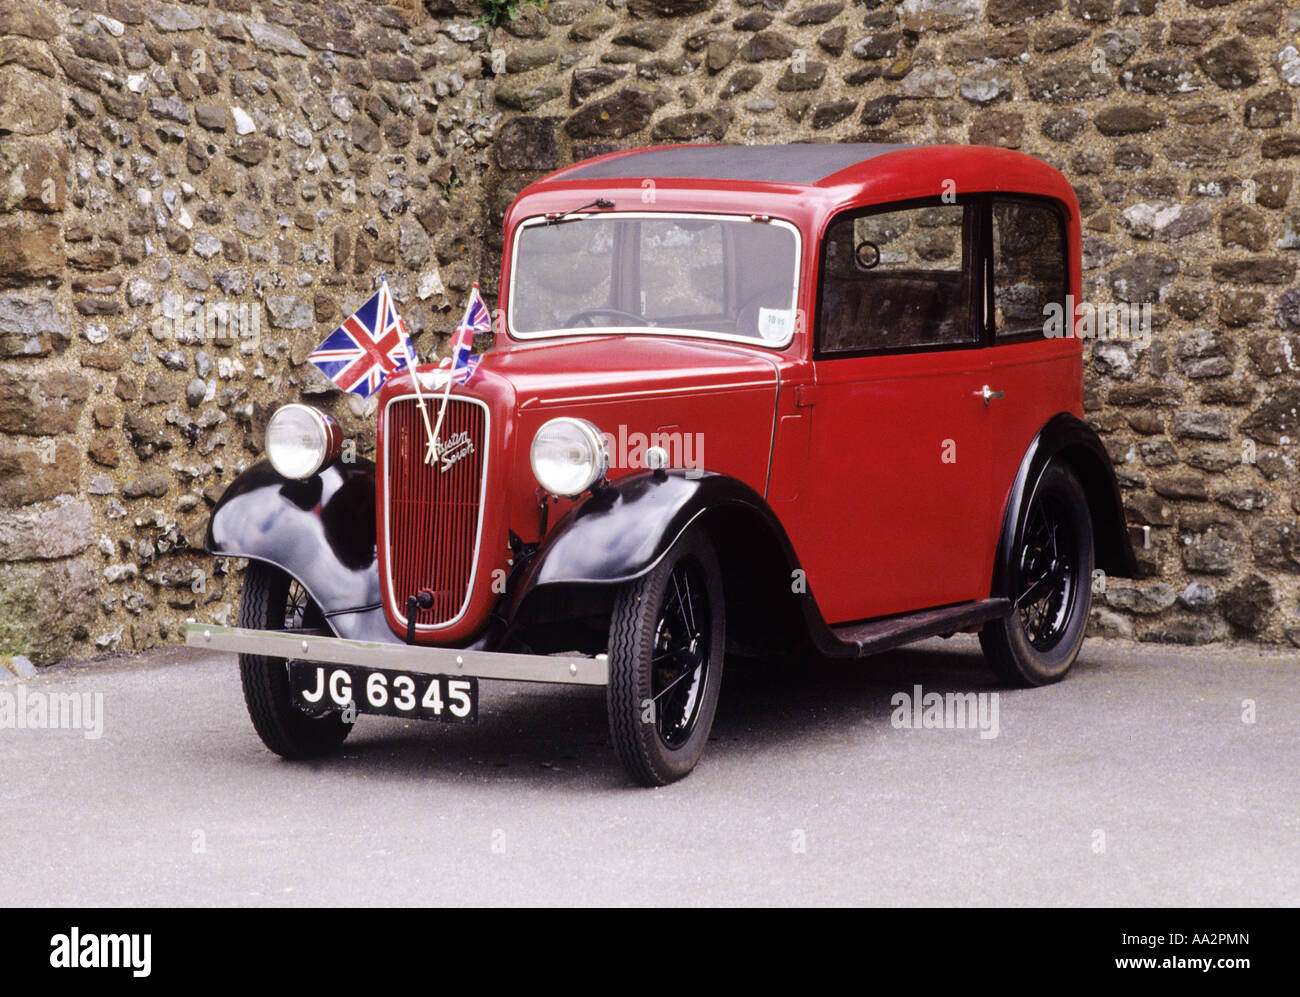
(704, 275)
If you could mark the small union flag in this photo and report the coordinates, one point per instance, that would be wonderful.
(477, 320)
(371, 344)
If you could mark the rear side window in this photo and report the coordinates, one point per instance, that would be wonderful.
(1029, 270)
(897, 280)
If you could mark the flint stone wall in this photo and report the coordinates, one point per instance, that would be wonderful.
(193, 194)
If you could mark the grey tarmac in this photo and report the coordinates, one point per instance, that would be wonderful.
(1137, 781)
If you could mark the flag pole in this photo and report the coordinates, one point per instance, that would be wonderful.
(446, 395)
(442, 409)
(415, 374)
(419, 396)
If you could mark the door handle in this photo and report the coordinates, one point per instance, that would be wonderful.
(988, 394)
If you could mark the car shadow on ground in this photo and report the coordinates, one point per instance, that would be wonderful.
(546, 735)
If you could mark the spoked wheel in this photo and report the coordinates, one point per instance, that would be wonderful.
(666, 645)
(1047, 573)
(271, 600)
(1039, 641)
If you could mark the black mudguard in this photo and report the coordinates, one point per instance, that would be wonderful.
(622, 532)
(1073, 441)
(321, 531)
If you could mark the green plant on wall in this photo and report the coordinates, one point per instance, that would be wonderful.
(496, 11)
(450, 186)
(17, 608)
(12, 645)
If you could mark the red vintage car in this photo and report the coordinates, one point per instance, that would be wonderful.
(796, 399)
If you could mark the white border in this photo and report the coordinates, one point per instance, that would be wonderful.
(399, 610)
(657, 330)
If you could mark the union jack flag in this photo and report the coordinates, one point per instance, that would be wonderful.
(371, 344)
(477, 320)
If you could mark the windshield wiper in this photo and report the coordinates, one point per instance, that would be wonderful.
(555, 217)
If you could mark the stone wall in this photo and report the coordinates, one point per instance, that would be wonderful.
(192, 194)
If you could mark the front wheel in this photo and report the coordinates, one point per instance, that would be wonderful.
(1052, 585)
(666, 645)
(271, 600)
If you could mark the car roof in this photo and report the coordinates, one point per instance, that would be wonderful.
(804, 164)
(802, 182)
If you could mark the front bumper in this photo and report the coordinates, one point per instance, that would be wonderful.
(563, 669)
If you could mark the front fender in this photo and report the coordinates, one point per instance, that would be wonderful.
(622, 532)
(321, 531)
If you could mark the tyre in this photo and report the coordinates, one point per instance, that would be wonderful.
(271, 600)
(1052, 585)
(667, 638)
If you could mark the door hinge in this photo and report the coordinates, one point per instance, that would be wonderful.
(805, 395)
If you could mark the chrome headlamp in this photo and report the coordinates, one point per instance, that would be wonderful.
(300, 440)
(568, 456)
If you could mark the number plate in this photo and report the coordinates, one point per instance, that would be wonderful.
(316, 688)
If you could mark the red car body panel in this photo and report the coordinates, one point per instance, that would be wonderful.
(848, 452)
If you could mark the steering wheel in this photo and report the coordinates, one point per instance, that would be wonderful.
(587, 314)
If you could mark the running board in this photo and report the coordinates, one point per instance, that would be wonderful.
(858, 640)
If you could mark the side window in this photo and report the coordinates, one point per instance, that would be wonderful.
(897, 280)
(1029, 270)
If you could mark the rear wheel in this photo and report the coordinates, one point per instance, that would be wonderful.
(271, 600)
(666, 646)
(1052, 580)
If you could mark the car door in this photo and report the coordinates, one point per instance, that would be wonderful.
(892, 511)
(1035, 366)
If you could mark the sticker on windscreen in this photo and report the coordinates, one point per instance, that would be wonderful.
(775, 325)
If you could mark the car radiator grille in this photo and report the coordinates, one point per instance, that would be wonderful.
(433, 511)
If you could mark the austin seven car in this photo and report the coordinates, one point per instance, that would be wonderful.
(740, 401)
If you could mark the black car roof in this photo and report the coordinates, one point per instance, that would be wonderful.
(807, 163)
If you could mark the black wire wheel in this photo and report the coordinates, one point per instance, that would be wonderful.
(1047, 573)
(271, 600)
(666, 645)
(1051, 586)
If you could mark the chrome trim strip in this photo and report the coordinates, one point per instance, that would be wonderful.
(398, 608)
(566, 669)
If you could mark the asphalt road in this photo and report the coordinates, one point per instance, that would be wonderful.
(1137, 781)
